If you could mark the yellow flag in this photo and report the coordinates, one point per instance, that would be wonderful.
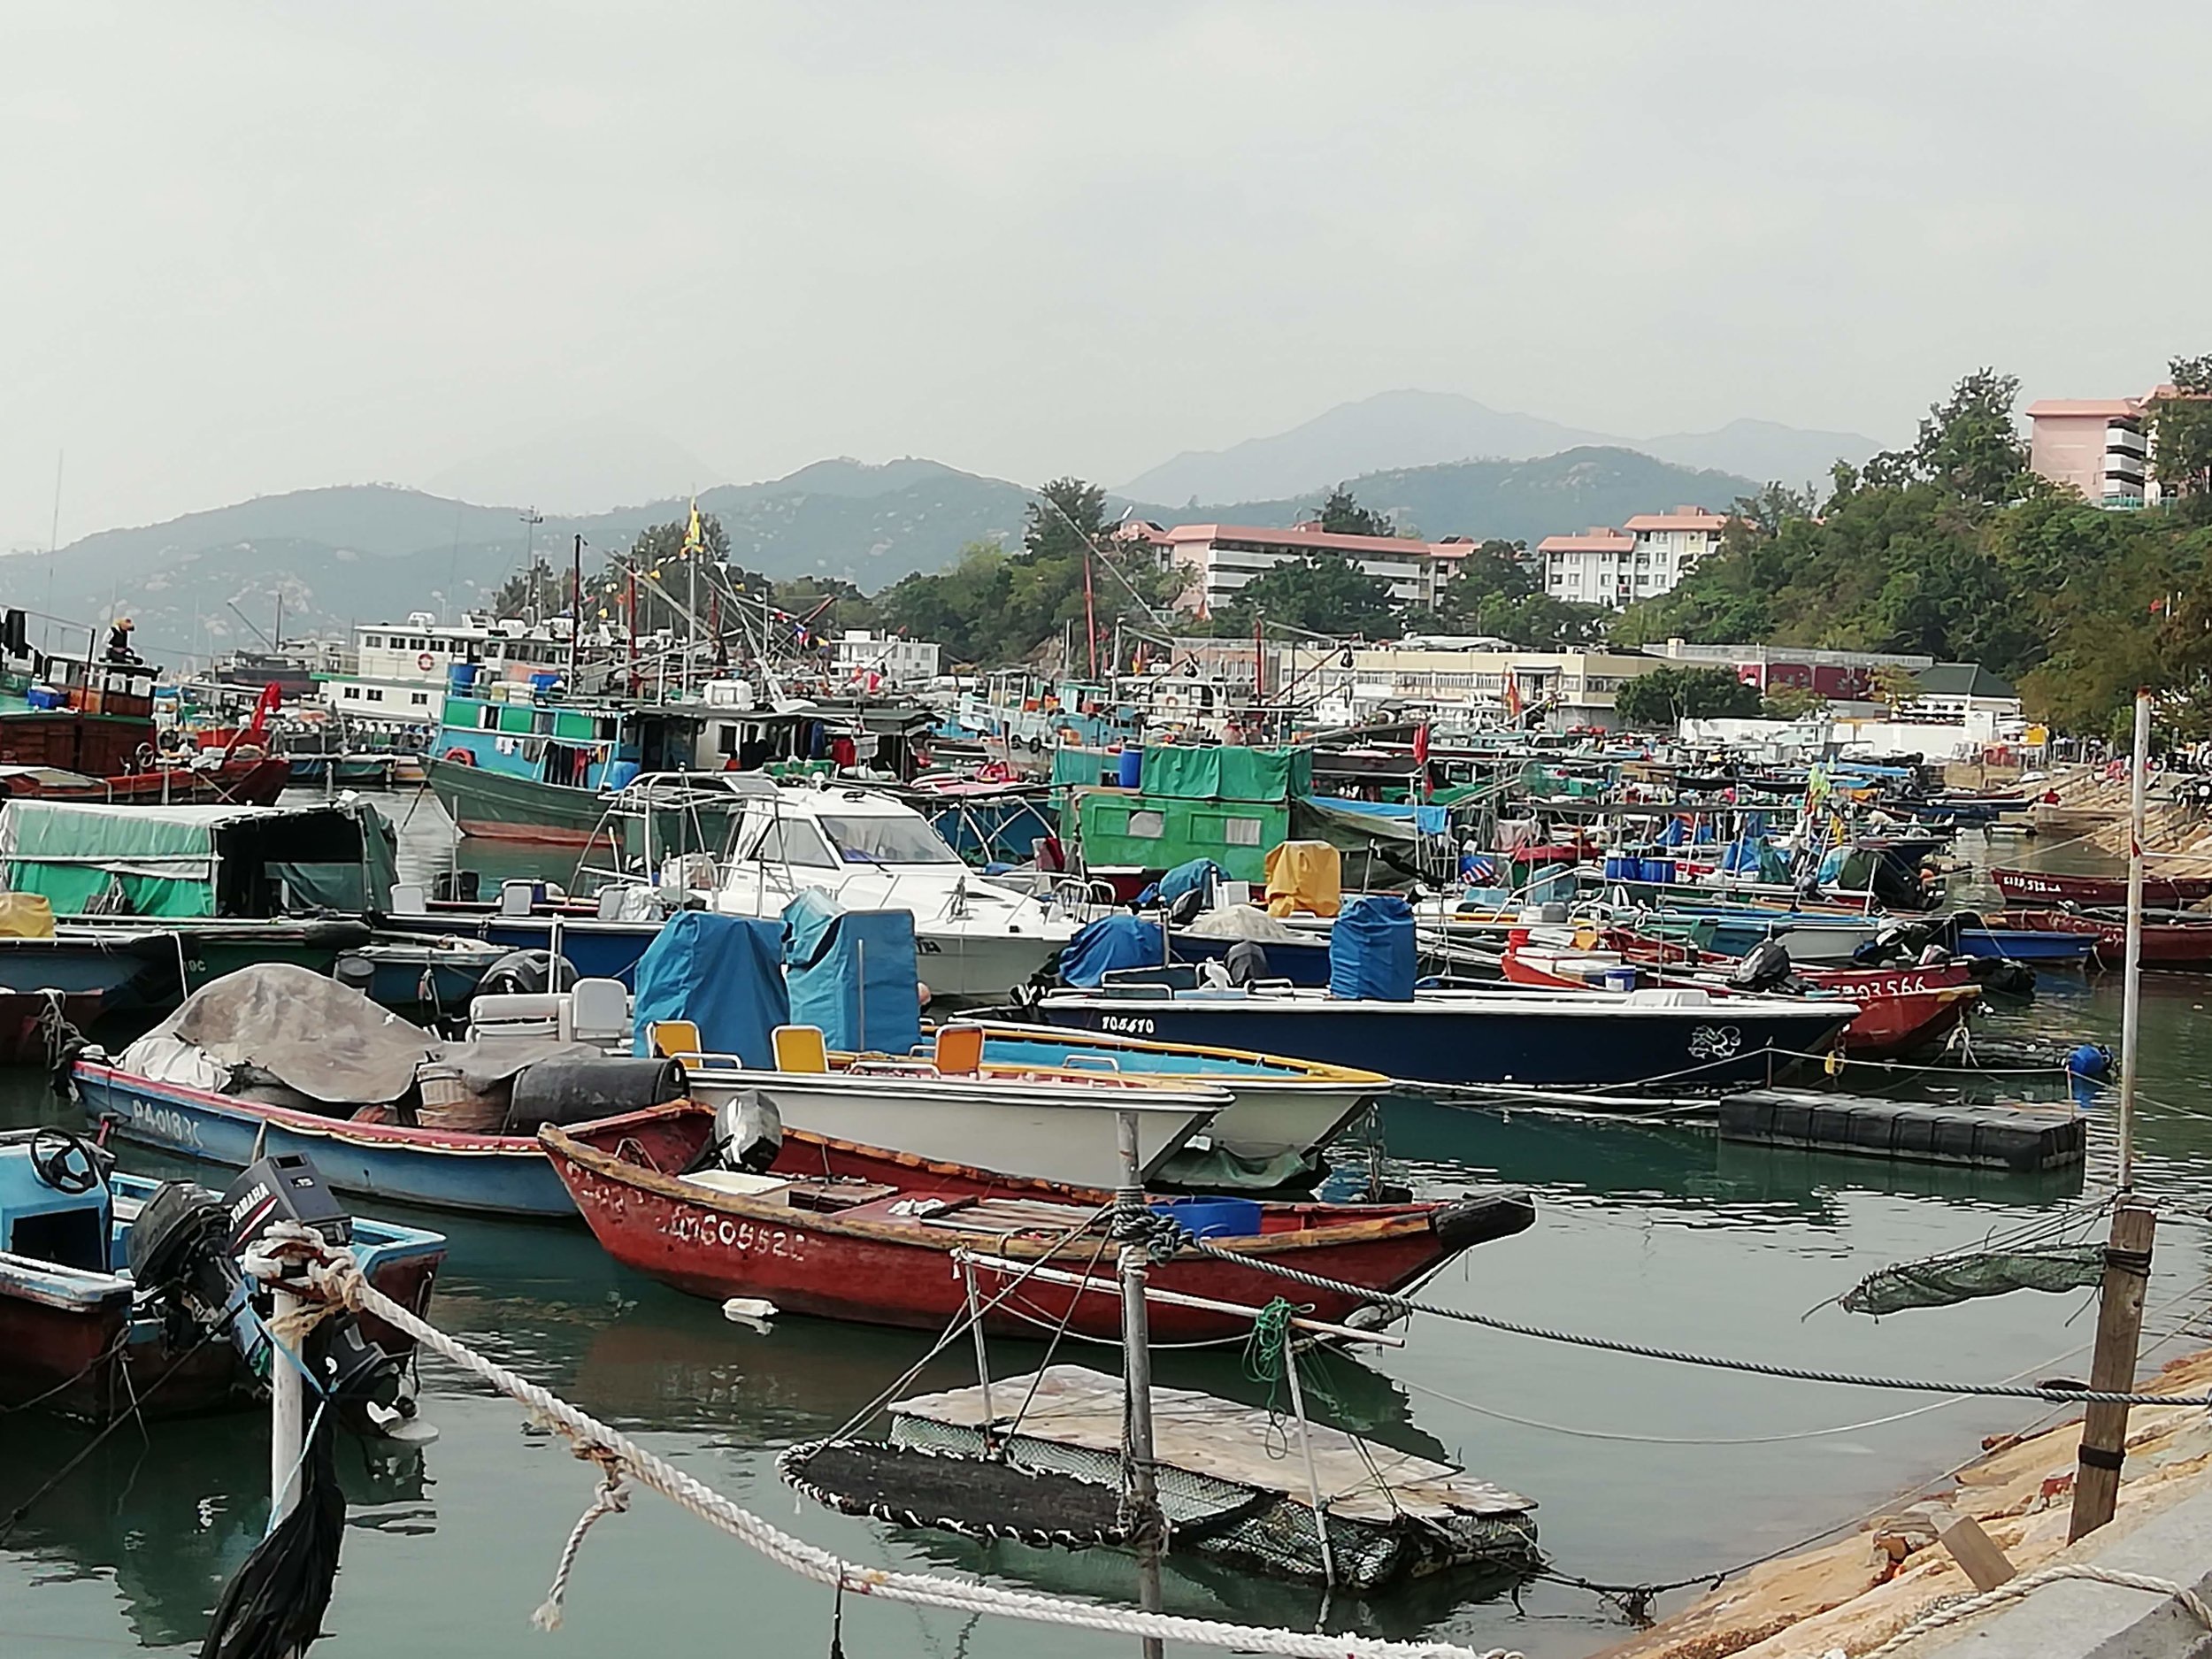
(692, 542)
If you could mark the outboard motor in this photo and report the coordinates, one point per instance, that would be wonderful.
(185, 1244)
(748, 1133)
(1244, 961)
(527, 973)
(1765, 965)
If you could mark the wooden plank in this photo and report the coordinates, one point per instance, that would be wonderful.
(2104, 1428)
(1976, 1553)
(1073, 1406)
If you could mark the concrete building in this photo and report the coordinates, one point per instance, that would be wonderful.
(1223, 557)
(887, 657)
(1841, 676)
(1644, 557)
(1562, 688)
(2096, 445)
(1590, 568)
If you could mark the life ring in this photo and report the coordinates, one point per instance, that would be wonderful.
(460, 757)
(425, 662)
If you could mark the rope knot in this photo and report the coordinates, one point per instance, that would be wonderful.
(610, 1499)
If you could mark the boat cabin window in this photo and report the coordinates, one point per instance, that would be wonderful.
(793, 841)
(1148, 825)
(888, 841)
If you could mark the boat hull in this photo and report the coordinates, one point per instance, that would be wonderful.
(1611, 1044)
(838, 1267)
(1066, 1134)
(2042, 887)
(492, 806)
(595, 949)
(494, 1175)
(2165, 944)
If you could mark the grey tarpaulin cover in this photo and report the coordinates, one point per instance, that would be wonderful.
(1949, 1279)
(278, 1026)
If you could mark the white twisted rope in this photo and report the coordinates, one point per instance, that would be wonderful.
(341, 1277)
(610, 1499)
(1945, 1614)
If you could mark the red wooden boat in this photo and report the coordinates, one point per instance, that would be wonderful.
(853, 1232)
(1901, 1010)
(253, 781)
(2170, 941)
(2046, 888)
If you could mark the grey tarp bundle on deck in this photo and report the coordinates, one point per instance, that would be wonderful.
(276, 1028)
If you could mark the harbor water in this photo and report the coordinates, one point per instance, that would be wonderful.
(1645, 1471)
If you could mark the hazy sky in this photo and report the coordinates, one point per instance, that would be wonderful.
(248, 247)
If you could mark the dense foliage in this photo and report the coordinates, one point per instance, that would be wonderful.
(1342, 515)
(1666, 696)
(993, 606)
(1953, 550)
(1496, 593)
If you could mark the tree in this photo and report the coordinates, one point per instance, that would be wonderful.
(1067, 515)
(1666, 696)
(1494, 593)
(1895, 686)
(1969, 445)
(1790, 703)
(2181, 436)
(1342, 515)
(1321, 592)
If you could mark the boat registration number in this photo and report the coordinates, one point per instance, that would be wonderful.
(1126, 1024)
(165, 1123)
(734, 1232)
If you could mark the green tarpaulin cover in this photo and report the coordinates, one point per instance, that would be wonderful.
(1224, 773)
(188, 861)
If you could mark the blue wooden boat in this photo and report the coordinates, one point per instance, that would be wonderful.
(79, 1337)
(596, 950)
(2038, 945)
(1540, 1039)
(438, 1169)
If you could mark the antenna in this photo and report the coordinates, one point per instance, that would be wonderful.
(531, 519)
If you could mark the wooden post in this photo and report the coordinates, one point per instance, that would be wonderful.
(2104, 1428)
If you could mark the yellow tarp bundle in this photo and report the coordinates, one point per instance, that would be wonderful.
(26, 916)
(1305, 876)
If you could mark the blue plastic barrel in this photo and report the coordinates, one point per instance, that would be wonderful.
(1212, 1218)
(1131, 771)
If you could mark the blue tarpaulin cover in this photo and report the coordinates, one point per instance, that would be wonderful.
(724, 974)
(1429, 819)
(852, 972)
(1371, 949)
(1199, 872)
(1110, 942)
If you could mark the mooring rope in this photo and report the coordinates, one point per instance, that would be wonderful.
(341, 1277)
(1758, 1368)
(1945, 1614)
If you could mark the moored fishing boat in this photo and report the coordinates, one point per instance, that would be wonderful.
(96, 1322)
(2171, 939)
(873, 1242)
(2042, 888)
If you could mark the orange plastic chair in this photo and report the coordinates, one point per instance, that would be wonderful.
(959, 1051)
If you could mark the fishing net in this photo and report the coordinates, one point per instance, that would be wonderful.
(1948, 1280)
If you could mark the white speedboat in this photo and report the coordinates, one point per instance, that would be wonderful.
(976, 938)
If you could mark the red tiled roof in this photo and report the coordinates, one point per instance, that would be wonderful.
(1597, 540)
(2109, 408)
(1680, 518)
(1373, 546)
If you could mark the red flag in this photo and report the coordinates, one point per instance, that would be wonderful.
(1421, 745)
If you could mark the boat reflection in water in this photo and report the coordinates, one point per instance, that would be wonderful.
(196, 1491)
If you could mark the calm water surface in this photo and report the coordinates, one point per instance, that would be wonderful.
(1644, 1232)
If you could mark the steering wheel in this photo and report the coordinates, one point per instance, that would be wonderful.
(64, 1162)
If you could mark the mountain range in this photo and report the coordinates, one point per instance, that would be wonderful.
(334, 556)
(1414, 429)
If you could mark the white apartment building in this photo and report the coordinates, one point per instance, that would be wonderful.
(862, 654)
(1646, 557)
(1566, 688)
(1589, 569)
(1223, 557)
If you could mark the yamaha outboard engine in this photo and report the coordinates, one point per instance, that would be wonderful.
(1765, 965)
(186, 1245)
(747, 1135)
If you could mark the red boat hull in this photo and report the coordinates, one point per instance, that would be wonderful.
(2044, 887)
(250, 782)
(844, 1265)
(2165, 944)
(75, 1361)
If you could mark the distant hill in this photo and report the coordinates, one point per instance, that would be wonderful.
(1518, 501)
(362, 552)
(1402, 429)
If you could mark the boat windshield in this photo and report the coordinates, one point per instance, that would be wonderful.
(888, 840)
